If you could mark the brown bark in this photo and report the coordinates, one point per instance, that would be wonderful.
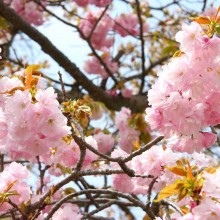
(136, 103)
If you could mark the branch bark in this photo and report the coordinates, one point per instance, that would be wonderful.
(135, 202)
(136, 103)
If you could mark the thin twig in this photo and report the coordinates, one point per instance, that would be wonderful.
(1, 162)
(24, 217)
(62, 86)
(97, 22)
(119, 160)
(149, 192)
(102, 191)
(204, 5)
(81, 158)
(142, 44)
(86, 186)
(143, 149)
(134, 103)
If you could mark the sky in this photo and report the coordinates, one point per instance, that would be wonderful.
(69, 42)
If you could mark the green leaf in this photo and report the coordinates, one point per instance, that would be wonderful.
(217, 29)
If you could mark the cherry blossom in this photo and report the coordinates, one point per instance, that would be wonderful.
(182, 99)
(127, 134)
(99, 35)
(12, 183)
(93, 66)
(128, 24)
(105, 142)
(98, 3)
(29, 10)
(67, 212)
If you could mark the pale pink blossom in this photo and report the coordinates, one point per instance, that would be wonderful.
(190, 37)
(105, 142)
(3, 125)
(67, 212)
(82, 3)
(99, 38)
(11, 177)
(207, 210)
(204, 160)
(211, 184)
(121, 119)
(185, 98)
(66, 155)
(128, 24)
(90, 156)
(123, 183)
(100, 3)
(93, 66)
(127, 134)
(127, 137)
(30, 11)
(29, 127)
(190, 144)
(150, 162)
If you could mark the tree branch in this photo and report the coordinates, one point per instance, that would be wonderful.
(142, 44)
(136, 103)
(135, 202)
(143, 149)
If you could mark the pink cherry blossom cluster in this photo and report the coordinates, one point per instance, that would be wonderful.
(96, 31)
(12, 185)
(100, 40)
(98, 3)
(66, 212)
(128, 24)
(68, 155)
(33, 126)
(28, 128)
(93, 66)
(124, 24)
(150, 162)
(29, 10)
(99, 33)
(208, 208)
(185, 99)
(153, 162)
(127, 134)
(105, 142)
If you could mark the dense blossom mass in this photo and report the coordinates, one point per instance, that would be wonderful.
(98, 3)
(32, 125)
(185, 98)
(62, 140)
(13, 185)
(29, 10)
(28, 126)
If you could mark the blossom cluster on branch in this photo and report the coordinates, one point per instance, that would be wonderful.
(185, 98)
(53, 139)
